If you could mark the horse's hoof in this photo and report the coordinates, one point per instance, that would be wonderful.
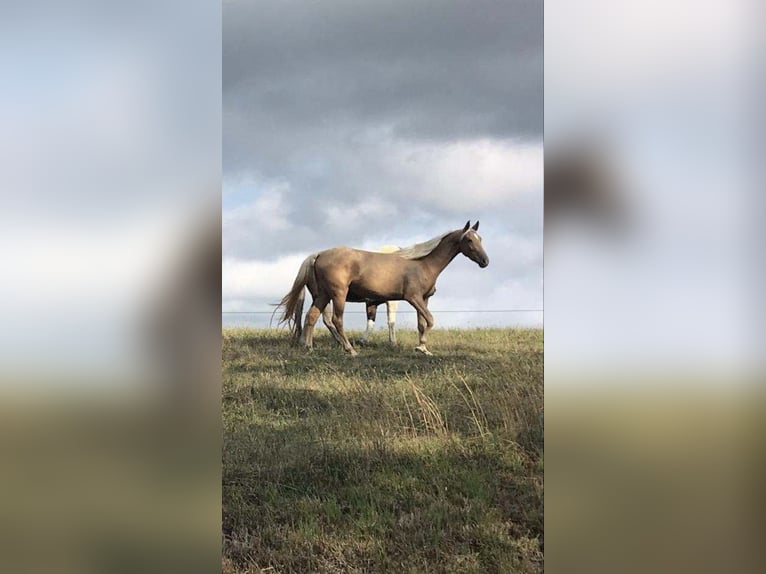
(353, 353)
(422, 349)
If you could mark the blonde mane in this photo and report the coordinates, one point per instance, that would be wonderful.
(421, 249)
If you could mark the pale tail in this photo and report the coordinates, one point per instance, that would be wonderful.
(292, 303)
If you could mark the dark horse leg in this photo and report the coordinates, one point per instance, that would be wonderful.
(338, 306)
(372, 313)
(425, 322)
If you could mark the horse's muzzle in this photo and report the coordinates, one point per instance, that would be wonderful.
(484, 263)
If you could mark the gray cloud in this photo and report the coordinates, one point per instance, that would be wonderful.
(430, 69)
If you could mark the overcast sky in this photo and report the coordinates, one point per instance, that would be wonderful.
(364, 124)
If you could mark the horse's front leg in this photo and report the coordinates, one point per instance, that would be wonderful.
(338, 306)
(425, 322)
(391, 307)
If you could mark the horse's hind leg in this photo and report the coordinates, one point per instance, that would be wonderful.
(327, 320)
(318, 305)
(298, 329)
(338, 306)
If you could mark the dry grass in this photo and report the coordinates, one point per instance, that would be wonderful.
(387, 462)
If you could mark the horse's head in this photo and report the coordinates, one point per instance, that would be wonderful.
(470, 245)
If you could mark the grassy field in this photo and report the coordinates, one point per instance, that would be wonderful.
(387, 462)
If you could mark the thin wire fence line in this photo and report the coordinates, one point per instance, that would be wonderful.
(406, 312)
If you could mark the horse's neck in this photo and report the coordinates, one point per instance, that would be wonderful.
(441, 256)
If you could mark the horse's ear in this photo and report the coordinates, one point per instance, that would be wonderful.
(475, 226)
(467, 225)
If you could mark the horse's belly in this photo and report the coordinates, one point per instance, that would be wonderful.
(355, 298)
(358, 292)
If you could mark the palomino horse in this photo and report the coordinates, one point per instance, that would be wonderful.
(343, 274)
(307, 269)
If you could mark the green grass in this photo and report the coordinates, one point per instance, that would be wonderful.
(386, 462)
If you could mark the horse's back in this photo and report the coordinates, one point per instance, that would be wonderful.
(354, 262)
(336, 254)
(336, 258)
(343, 253)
